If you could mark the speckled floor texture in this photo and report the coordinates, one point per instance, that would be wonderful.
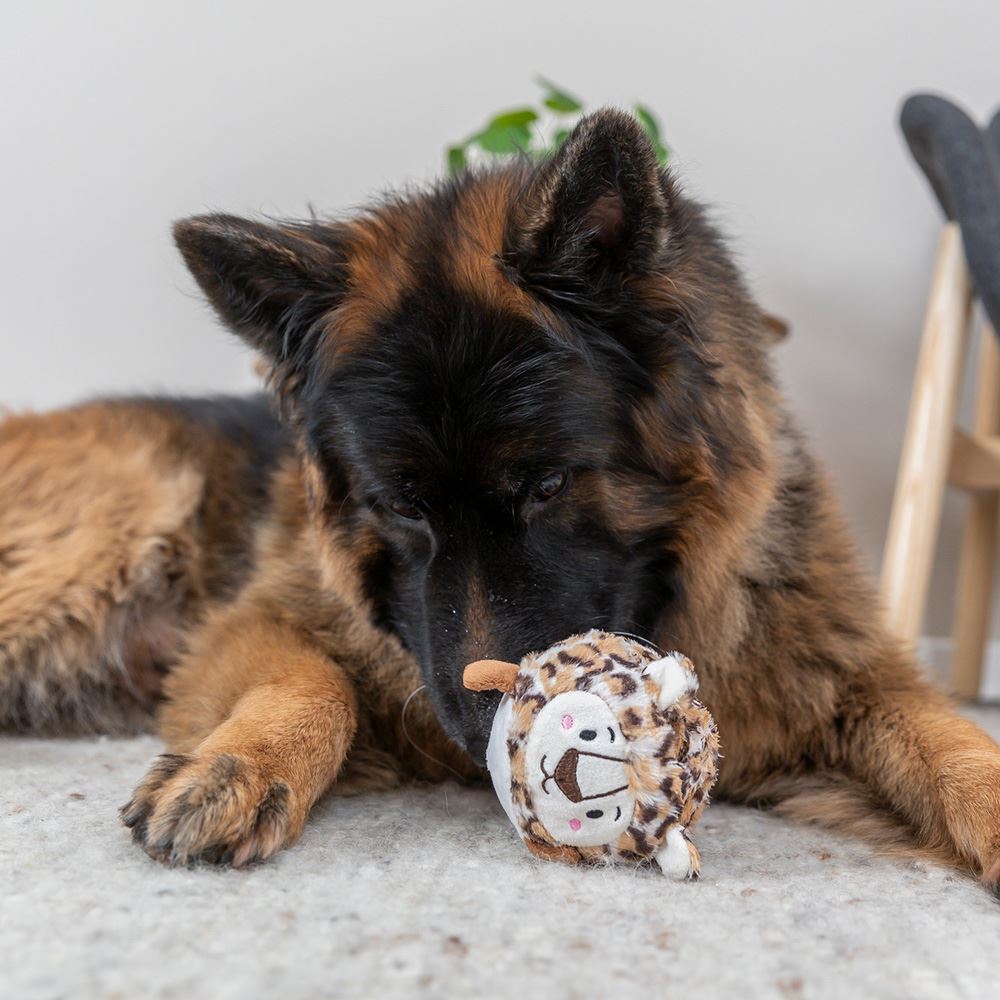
(426, 893)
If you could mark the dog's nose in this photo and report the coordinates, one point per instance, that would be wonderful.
(475, 745)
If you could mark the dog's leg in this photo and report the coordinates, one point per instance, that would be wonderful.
(938, 771)
(259, 723)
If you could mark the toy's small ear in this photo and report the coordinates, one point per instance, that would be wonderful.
(490, 675)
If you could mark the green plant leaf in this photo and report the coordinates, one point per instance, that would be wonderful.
(648, 120)
(504, 139)
(517, 130)
(514, 119)
(652, 127)
(557, 99)
(456, 160)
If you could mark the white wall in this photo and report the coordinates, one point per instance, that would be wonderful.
(118, 117)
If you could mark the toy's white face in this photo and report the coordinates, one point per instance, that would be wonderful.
(576, 770)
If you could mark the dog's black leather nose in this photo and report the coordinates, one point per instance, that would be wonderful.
(475, 745)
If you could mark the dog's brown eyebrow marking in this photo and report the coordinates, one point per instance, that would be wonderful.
(381, 245)
(379, 249)
(476, 262)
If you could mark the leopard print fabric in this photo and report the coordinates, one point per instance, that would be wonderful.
(672, 754)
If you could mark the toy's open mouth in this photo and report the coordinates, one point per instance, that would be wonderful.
(582, 775)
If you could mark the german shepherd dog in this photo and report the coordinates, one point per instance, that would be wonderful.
(524, 403)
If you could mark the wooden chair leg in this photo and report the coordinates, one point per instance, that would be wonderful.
(977, 563)
(923, 467)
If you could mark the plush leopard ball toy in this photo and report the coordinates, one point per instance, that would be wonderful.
(600, 752)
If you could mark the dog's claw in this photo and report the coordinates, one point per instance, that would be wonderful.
(216, 809)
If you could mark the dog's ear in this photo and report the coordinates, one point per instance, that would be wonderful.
(274, 285)
(593, 213)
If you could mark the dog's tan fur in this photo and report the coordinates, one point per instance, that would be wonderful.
(131, 550)
(100, 562)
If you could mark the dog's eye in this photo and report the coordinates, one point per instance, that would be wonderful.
(551, 486)
(407, 509)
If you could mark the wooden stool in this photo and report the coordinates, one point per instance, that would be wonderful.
(936, 454)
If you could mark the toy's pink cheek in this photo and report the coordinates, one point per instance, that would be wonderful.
(574, 824)
(567, 722)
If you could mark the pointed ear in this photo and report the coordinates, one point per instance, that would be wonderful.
(595, 212)
(273, 285)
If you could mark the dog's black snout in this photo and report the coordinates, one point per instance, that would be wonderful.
(478, 714)
(588, 734)
(476, 745)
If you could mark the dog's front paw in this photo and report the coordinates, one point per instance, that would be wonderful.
(218, 808)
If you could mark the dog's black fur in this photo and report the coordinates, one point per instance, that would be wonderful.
(522, 404)
(442, 427)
